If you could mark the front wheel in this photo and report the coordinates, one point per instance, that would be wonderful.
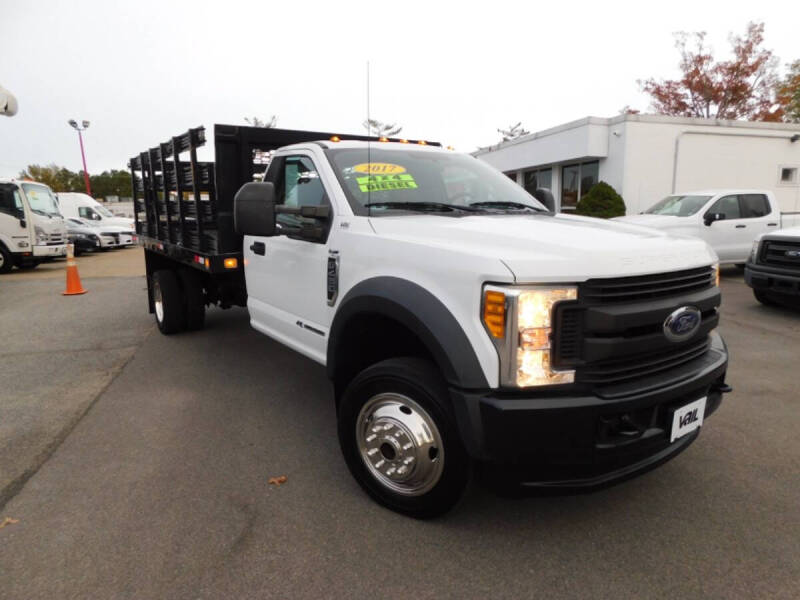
(6, 261)
(399, 438)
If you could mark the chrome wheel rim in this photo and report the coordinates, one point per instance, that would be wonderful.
(158, 302)
(400, 444)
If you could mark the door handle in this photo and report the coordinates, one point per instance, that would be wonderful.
(258, 248)
(772, 224)
(741, 226)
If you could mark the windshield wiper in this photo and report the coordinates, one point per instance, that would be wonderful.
(504, 204)
(421, 206)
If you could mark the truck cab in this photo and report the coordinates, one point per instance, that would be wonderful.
(31, 226)
(728, 220)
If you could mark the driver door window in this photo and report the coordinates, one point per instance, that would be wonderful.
(298, 185)
(87, 212)
(728, 206)
(10, 201)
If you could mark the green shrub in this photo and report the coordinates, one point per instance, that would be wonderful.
(601, 201)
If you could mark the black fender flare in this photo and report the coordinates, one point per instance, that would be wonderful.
(423, 314)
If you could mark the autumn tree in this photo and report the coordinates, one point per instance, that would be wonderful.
(381, 129)
(512, 132)
(789, 93)
(740, 88)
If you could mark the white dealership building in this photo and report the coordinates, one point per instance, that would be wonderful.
(648, 157)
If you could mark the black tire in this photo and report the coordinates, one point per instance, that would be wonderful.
(170, 315)
(419, 381)
(6, 260)
(194, 299)
(740, 266)
(764, 298)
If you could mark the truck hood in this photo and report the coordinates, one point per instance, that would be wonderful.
(123, 222)
(656, 221)
(50, 224)
(552, 248)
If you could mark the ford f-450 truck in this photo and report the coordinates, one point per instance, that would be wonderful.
(460, 322)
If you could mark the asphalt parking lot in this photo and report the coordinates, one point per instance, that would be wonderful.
(157, 486)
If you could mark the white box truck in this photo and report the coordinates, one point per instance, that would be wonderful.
(31, 227)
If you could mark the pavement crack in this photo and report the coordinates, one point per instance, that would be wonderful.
(8, 492)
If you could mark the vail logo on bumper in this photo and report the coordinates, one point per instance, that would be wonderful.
(682, 324)
(690, 417)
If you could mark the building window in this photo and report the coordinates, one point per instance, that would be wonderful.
(512, 176)
(576, 180)
(788, 174)
(540, 178)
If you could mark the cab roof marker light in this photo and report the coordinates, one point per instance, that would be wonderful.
(336, 138)
(403, 141)
(383, 139)
(422, 143)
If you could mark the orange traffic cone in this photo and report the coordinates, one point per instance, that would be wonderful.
(73, 279)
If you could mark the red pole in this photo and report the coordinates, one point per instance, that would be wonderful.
(85, 172)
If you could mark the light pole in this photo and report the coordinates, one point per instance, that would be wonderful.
(78, 128)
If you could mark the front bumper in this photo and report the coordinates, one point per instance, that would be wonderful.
(55, 250)
(576, 441)
(772, 279)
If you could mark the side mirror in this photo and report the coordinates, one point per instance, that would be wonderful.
(546, 197)
(712, 217)
(254, 209)
(23, 223)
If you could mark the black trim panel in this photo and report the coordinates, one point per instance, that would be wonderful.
(421, 312)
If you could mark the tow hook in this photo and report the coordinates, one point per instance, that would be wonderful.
(722, 388)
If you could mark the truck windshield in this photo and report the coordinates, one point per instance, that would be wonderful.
(678, 206)
(41, 199)
(414, 180)
(103, 211)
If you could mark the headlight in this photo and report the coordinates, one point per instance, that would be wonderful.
(519, 322)
(754, 252)
(41, 236)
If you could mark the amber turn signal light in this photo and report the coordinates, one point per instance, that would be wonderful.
(494, 312)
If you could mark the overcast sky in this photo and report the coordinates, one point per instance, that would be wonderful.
(449, 71)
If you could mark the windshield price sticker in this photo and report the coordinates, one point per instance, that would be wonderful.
(379, 183)
(379, 168)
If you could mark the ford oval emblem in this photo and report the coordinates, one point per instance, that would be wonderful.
(793, 253)
(682, 324)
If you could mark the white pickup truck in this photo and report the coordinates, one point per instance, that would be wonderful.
(31, 228)
(729, 220)
(460, 322)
